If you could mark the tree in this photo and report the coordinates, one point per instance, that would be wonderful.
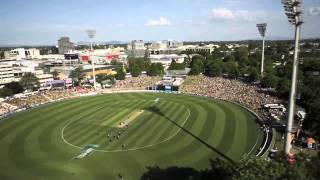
(253, 74)
(29, 81)
(114, 62)
(77, 75)
(269, 81)
(213, 69)
(1, 54)
(5, 92)
(55, 74)
(229, 58)
(231, 68)
(257, 168)
(135, 70)
(176, 66)
(121, 74)
(283, 87)
(197, 65)
(15, 87)
(241, 53)
(251, 168)
(155, 69)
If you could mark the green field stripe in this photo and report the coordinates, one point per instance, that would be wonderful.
(219, 118)
(54, 128)
(212, 136)
(31, 115)
(132, 128)
(16, 149)
(7, 125)
(34, 122)
(45, 131)
(228, 131)
(149, 136)
(76, 126)
(164, 133)
(18, 142)
(47, 146)
(237, 149)
(88, 134)
(75, 130)
(186, 147)
(163, 125)
(115, 120)
(103, 139)
(247, 130)
(32, 147)
(195, 126)
(131, 136)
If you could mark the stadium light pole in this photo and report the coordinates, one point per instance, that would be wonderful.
(262, 29)
(293, 12)
(91, 34)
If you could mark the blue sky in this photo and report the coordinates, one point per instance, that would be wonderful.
(44, 21)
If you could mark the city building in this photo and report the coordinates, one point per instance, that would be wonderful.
(136, 48)
(64, 45)
(159, 45)
(104, 56)
(166, 60)
(6, 73)
(44, 79)
(21, 53)
(174, 44)
(201, 48)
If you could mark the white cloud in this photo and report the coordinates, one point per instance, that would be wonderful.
(161, 22)
(224, 14)
(315, 11)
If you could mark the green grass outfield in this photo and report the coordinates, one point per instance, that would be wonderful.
(177, 130)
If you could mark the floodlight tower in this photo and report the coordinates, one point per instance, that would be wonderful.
(292, 10)
(91, 34)
(262, 29)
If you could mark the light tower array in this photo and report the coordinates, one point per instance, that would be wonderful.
(262, 29)
(293, 12)
(91, 34)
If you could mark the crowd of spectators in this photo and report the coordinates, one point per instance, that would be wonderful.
(24, 101)
(246, 94)
(140, 82)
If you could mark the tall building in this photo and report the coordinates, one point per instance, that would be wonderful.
(6, 73)
(174, 44)
(136, 48)
(65, 45)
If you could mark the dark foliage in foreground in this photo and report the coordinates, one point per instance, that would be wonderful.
(252, 168)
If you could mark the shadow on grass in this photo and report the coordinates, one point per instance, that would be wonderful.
(156, 110)
(218, 170)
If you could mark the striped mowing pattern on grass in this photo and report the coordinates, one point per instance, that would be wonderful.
(178, 130)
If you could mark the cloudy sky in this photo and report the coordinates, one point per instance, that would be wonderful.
(44, 21)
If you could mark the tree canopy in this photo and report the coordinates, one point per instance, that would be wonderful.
(29, 81)
(77, 75)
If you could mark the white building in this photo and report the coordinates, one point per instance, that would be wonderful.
(159, 45)
(166, 60)
(201, 48)
(6, 73)
(21, 53)
(136, 48)
(44, 79)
